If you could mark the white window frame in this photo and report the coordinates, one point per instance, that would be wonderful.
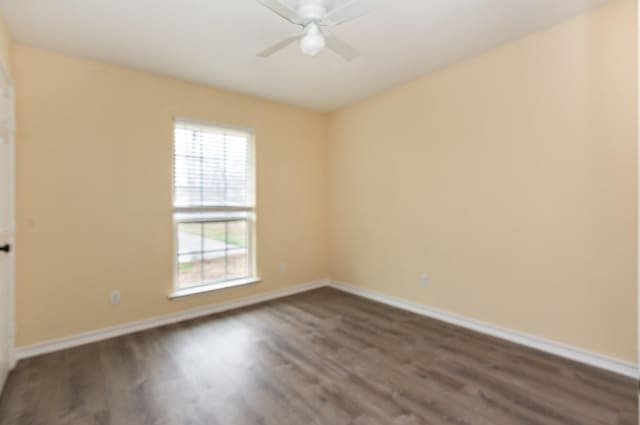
(177, 291)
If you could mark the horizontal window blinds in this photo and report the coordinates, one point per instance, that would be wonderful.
(211, 167)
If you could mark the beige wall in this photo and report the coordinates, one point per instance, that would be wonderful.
(94, 157)
(509, 179)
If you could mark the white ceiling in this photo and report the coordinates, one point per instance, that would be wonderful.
(215, 41)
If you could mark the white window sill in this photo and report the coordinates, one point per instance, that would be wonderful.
(186, 292)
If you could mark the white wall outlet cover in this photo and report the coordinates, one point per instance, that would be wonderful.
(115, 297)
(283, 267)
(424, 280)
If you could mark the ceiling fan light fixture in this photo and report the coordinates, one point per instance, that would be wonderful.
(313, 41)
(313, 16)
(312, 44)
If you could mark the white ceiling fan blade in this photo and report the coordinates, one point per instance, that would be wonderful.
(341, 48)
(283, 10)
(350, 10)
(279, 45)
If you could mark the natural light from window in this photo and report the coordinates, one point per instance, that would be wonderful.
(213, 206)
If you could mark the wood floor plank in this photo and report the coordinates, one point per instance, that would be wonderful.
(318, 358)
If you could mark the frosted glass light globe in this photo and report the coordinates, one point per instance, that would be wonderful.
(313, 42)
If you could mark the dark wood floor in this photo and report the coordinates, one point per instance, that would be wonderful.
(322, 357)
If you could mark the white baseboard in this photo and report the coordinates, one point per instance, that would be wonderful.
(573, 353)
(154, 322)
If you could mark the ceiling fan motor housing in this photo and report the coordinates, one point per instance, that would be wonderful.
(312, 10)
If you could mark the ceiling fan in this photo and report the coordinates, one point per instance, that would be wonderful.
(314, 16)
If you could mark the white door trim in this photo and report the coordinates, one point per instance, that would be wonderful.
(12, 223)
(4, 73)
(10, 228)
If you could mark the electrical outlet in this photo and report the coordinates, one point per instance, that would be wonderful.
(424, 280)
(283, 267)
(115, 297)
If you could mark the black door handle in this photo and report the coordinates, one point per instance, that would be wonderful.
(5, 248)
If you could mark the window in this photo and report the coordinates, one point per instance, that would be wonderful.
(213, 205)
